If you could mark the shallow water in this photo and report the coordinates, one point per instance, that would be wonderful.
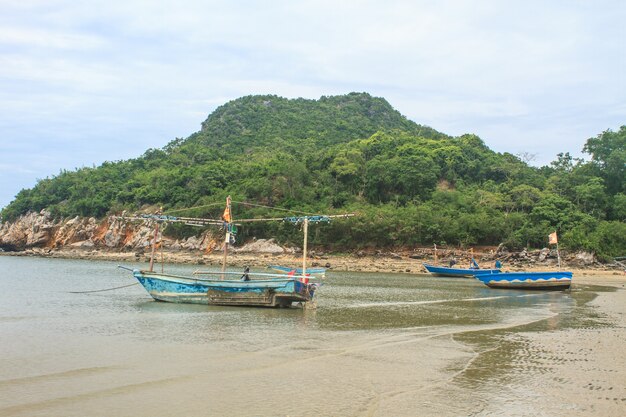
(377, 344)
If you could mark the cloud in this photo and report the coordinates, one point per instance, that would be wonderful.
(103, 80)
(12, 169)
(38, 38)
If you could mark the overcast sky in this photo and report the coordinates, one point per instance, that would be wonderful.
(86, 82)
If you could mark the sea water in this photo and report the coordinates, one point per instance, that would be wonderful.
(377, 344)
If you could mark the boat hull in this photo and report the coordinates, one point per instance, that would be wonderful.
(442, 271)
(275, 292)
(527, 280)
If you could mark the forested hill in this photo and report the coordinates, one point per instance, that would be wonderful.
(409, 183)
(279, 122)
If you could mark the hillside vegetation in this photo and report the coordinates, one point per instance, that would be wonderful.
(410, 184)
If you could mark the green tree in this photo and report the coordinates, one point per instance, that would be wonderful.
(608, 152)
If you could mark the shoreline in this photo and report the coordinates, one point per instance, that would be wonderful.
(383, 263)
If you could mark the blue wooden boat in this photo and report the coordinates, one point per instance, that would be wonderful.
(269, 290)
(298, 271)
(249, 289)
(526, 280)
(443, 271)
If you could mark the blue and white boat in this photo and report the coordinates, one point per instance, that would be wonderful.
(526, 280)
(260, 290)
(244, 289)
(443, 271)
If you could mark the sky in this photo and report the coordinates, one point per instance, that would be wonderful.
(86, 82)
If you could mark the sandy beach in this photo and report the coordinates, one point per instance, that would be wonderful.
(379, 344)
(587, 364)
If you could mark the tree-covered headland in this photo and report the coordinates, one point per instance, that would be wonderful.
(410, 184)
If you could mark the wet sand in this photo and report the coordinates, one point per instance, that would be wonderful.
(374, 347)
(563, 366)
(586, 365)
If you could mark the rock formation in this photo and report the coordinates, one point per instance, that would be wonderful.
(41, 230)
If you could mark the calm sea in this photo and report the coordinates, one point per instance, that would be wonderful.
(377, 344)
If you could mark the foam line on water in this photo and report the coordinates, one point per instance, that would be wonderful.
(449, 300)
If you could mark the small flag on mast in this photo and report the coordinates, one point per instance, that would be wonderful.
(227, 216)
(552, 239)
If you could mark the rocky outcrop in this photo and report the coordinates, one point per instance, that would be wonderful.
(583, 259)
(41, 230)
(544, 256)
(30, 230)
(261, 246)
(486, 257)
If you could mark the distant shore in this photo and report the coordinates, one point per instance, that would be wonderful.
(395, 263)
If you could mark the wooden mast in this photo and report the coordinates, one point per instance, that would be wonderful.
(154, 241)
(162, 261)
(554, 239)
(306, 238)
(228, 219)
(156, 232)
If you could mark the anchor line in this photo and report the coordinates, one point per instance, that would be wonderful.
(106, 289)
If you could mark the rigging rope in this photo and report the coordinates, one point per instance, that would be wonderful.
(238, 202)
(315, 217)
(106, 289)
(192, 208)
(273, 208)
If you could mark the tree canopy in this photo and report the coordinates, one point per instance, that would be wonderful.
(411, 184)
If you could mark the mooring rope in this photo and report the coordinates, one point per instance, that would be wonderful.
(106, 289)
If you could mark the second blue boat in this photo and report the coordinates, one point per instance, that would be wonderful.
(526, 280)
(443, 271)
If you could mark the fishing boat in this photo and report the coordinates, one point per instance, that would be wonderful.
(298, 271)
(443, 271)
(451, 271)
(529, 280)
(526, 280)
(256, 290)
(225, 287)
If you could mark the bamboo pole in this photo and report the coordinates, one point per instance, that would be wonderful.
(558, 256)
(306, 238)
(435, 253)
(161, 250)
(156, 232)
(229, 220)
(226, 239)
